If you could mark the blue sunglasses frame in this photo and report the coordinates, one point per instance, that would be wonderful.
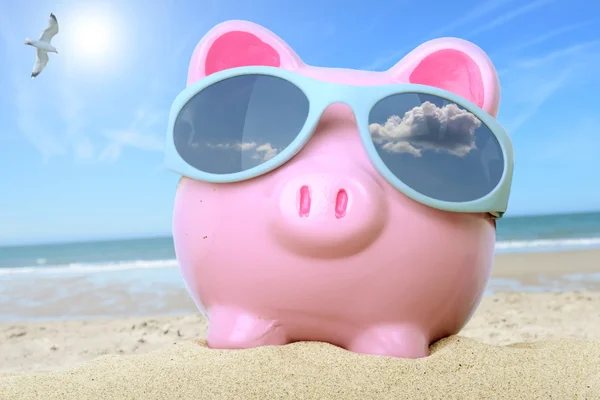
(361, 99)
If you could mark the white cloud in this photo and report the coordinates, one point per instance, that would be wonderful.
(52, 112)
(534, 62)
(477, 13)
(33, 128)
(483, 11)
(84, 148)
(35, 131)
(135, 139)
(542, 93)
(138, 135)
(428, 127)
(110, 153)
(529, 83)
(48, 110)
(510, 15)
(243, 146)
(546, 36)
(577, 144)
(263, 152)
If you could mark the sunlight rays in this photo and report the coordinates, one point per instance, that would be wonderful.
(90, 37)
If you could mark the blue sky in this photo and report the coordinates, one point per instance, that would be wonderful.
(81, 145)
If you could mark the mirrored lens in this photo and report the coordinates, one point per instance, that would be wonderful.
(239, 123)
(436, 147)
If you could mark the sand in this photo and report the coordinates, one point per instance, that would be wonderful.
(501, 319)
(517, 345)
(458, 368)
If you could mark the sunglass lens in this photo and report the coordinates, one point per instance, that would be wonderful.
(239, 123)
(436, 147)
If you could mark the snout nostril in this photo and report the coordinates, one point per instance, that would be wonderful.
(304, 209)
(341, 202)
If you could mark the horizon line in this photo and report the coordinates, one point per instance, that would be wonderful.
(165, 235)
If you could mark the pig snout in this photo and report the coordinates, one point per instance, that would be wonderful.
(328, 214)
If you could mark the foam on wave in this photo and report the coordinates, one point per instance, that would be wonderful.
(508, 246)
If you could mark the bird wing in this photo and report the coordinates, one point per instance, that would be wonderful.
(51, 30)
(40, 62)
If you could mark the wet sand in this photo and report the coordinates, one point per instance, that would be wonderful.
(165, 357)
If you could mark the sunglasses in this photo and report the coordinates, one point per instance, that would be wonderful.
(430, 144)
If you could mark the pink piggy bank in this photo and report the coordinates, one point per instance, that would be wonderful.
(321, 246)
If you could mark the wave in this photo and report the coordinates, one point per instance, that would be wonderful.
(506, 246)
(90, 268)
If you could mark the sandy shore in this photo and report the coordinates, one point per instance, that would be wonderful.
(459, 368)
(165, 357)
(535, 267)
(501, 319)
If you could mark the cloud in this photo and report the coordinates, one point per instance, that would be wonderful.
(243, 146)
(581, 136)
(84, 148)
(49, 111)
(36, 132)
(541, 95)
(531, 82)
(476, 13)
(138, 135)
(53, 113)
(509, 16)
(534, 62)
(33, 128)
(135, 139)
(385, 60)
(479, 12)
(74, 121)
(547, 36)
(428, 127)
(318, 30)
(263, 152)
(142, 132)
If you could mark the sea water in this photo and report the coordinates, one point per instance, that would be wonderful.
(140, 276)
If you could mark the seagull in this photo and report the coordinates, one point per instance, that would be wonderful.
(43, 46)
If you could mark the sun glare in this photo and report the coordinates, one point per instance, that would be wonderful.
(91, 37)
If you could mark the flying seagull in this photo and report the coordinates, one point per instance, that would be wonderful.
(43, 46)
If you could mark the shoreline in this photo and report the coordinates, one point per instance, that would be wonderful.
(559, 270)
(143, 264)
(162, 292)
(500, 320)
(504, 316)
(562, 262)
(517, 344)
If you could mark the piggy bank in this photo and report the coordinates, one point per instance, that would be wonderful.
(351, 207)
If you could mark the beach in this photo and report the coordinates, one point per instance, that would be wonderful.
(536, 334)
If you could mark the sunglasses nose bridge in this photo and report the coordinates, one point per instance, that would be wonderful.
(335, 93)
(336, 99)
(357, 99)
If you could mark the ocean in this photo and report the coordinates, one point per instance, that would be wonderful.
(37, 281)
(529, 233)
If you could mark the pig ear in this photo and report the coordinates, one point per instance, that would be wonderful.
(454, 65)
(234, 44)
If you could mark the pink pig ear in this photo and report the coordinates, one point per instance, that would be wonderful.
(455, 65)
(234, 44)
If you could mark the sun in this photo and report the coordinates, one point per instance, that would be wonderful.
(89, 37)
(93, 36)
